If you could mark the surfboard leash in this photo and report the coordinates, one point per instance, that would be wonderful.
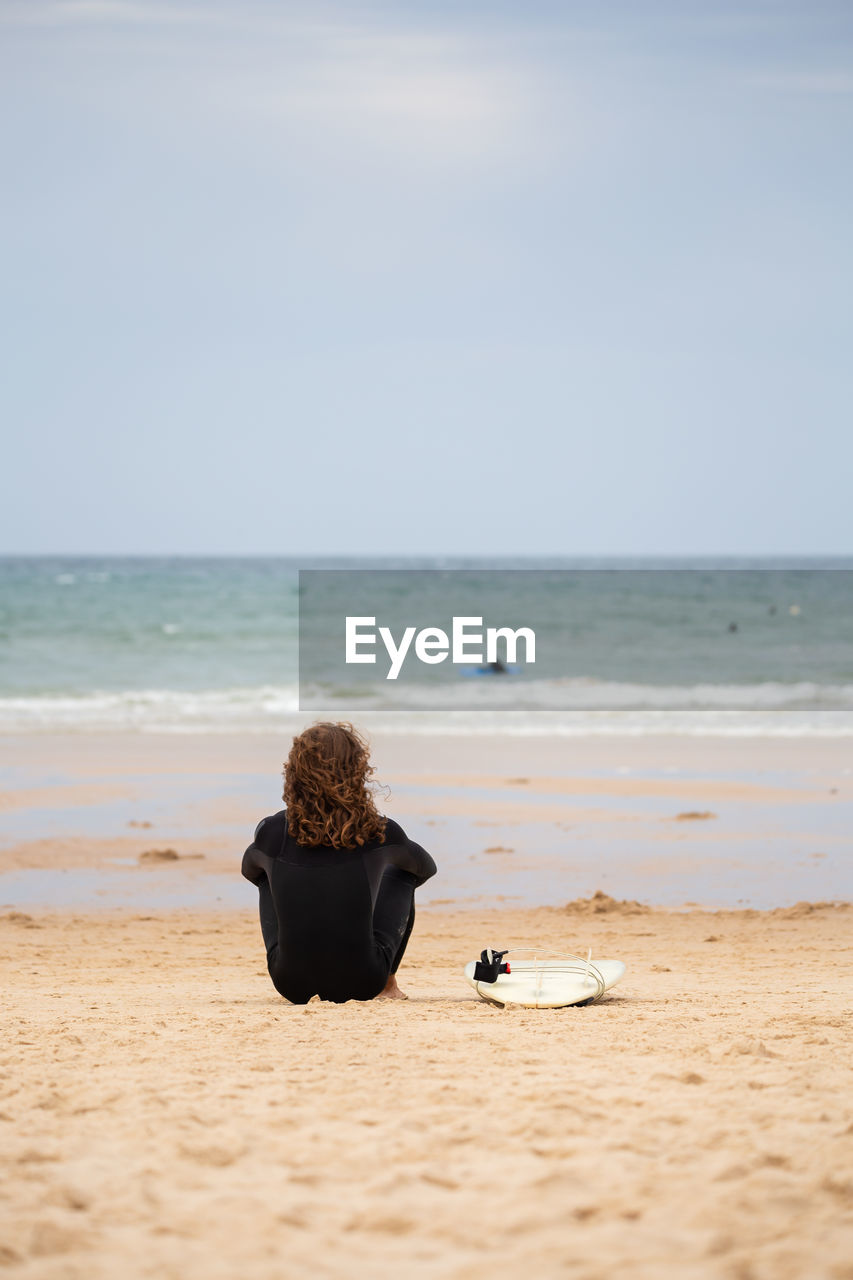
(490, 965)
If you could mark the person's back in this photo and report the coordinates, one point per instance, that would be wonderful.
(335, 917)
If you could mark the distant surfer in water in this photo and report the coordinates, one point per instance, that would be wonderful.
(337, 880)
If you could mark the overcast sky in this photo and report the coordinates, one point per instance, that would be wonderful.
(462, 277)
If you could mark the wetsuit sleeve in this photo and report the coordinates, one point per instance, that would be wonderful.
(405, 854)
(266, 843)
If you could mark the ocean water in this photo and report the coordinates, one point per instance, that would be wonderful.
(211, 645)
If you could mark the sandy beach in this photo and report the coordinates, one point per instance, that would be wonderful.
(476, 377)
(165, 1113)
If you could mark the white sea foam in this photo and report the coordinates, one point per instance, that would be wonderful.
(588, 695)
(164, 710)
(562, 708)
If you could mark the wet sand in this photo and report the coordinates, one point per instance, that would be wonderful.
(721, 822)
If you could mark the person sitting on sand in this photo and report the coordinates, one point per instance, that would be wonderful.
(337, 880)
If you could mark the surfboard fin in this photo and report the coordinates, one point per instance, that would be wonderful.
(489, 966)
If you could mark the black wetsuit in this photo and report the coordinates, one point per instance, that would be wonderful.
(335, 922)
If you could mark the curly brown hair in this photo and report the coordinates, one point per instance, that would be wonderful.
(327, 790)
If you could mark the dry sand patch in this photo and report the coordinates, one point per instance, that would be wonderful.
(165, 1113)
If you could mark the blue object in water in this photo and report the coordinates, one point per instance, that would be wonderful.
(489, 671)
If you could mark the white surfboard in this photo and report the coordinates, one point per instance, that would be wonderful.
(547, 979)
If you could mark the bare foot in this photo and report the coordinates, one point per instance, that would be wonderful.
(391, 991)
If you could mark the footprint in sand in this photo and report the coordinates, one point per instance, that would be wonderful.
(216, 1155)
(752, 1049)
(50, 1238)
